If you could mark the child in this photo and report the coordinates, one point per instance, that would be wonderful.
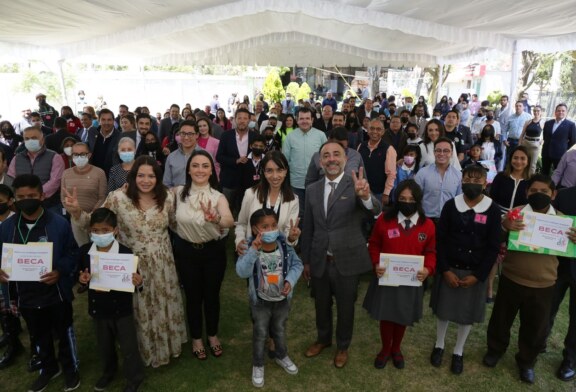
(250, 170)
(473, 156)
(408, 166)
(468, 242)
(112, 310)
(491, 148)
(272, 268)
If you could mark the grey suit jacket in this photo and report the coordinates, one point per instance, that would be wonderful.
(340, 229)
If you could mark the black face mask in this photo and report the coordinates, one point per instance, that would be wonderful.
(151, 146)
(407, 209)
(28, 206)
(68, 116)
(3, 208)
(472, 191)
(404, 120)
(268, 137)
(489, 118)
(411, 136)
(257, 151)
(539, 201)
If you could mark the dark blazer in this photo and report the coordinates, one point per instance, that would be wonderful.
(260, 119)
(250, 174)
(555, 145)
(564, 202)
(340, 229)
(54, 142)
(402, 141)
(227, 155)
(361, 114)
(91, 139)
(320, 125)
(165, 129)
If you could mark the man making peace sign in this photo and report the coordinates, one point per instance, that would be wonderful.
(334, 249)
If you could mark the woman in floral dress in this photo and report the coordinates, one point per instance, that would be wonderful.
(145, 209)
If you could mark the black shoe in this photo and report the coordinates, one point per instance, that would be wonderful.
(436, 356)
(457, 366)
(103, 382)
(72, 381)
(490, 359)
(13, 349)
(527, 375)
(35, 363)
(381, 361)
(132, 387)
(44, 379)
(566, 371)
(398, 360)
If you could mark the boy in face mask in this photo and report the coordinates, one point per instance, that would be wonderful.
(46, 305)
(250, 170)
(526, 286)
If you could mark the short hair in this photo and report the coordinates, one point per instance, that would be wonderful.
(105, 111)
(189, 123)
(27, 181)
(455, 111)
(505, 96)
(123, 106)
(539, 177)
(175, 105)
(6, 191)
(560, 105)
(143, 116)
(243, 110)
(2, 155)
(36, 114)
(103, 215)
(128, 140)
(130, 117)
(339, 133)
(258, 138)
(60, 123)
(474, 171)
(329, 142)
(411, 125)
(304, 110)
(35, 129)
(444, 139)
(258, 215)
(82, 144)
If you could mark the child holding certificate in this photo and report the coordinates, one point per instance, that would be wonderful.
(468, 244)
(111, 310)
(272, 268)
(404, 229)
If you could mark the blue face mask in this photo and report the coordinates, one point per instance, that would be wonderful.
(127, 156)
(32, 145)
(270, 236)
(252, 124)
(102, 240)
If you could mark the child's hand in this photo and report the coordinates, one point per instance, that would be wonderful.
(287, 288)
(84, 277)
(257, 243)
(137, 279)
(380, 271)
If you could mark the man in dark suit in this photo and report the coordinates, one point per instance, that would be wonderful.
(366, 110)
(324, 123)
(259, 113)
(166, 123)
(54, 141)
(334, 249)
(87, 133)
(559, 136)
(232, 152)
(459, 134)
(564, 202)
(106, 142)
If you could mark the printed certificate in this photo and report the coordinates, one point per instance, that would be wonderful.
(401, 270)
(27, 263)
(545, 234)
(112, 271)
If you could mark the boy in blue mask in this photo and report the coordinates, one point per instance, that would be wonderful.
(112, 310)
(272, 268)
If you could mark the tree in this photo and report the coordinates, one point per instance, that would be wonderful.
(48, 83)
(434, 80)
(272, 88)
(303, 92)
(292, 89)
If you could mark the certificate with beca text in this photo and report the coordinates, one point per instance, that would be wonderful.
(27, 263)
(401, 270)
(545, 234)
(112, 271)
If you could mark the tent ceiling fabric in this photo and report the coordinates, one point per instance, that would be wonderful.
(280, 32)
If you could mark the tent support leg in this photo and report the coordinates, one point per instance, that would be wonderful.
(62, 83)
(514, 73)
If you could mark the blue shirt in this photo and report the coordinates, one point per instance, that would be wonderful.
(437, 190)
(514, 125)
(298, 148)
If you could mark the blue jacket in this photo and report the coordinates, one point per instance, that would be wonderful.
(64, 252)
(246, 267)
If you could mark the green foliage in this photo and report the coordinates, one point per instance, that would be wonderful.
(272, 88)
(407, 93)
(494, 97)
(293, 89)
(46, 82)
(10, 68)
(303, 92)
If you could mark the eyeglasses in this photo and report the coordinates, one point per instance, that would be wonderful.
(83, 155)
(188, 134)
(442, 151)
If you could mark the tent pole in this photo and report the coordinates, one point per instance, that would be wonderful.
(514, 72)
(62, 83)
(440, 78)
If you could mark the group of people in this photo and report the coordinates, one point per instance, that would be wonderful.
(309, 189)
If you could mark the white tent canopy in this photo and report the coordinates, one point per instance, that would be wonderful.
(282, 32)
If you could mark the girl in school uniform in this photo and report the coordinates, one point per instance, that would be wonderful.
(404, 229)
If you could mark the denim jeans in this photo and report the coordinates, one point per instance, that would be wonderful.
(269, 317)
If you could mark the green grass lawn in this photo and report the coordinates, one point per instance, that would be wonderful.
(232, 372)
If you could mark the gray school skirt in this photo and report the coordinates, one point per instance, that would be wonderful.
(401, 305)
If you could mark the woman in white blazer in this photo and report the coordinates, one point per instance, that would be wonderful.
(274, 192)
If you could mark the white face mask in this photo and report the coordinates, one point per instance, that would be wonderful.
(80, 161)
(68, 151)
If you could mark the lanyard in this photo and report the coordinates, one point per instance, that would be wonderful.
(25, 239)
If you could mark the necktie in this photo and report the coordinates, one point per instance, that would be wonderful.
(331, 194)
(407, 224)
(85, 135)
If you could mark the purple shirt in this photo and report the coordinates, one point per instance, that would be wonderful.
(565, 173)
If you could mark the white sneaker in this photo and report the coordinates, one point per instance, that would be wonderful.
(258, 376)
(287, 364)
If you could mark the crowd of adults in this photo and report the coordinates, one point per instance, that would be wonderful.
(403, 177)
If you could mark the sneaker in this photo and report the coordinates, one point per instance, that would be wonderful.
(287, 364)
(43, 379)
(103, 382)
(72, 381)
(258, 376)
